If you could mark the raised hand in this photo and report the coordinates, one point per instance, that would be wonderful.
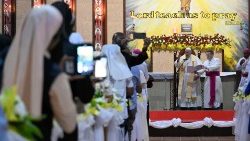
(146, 44)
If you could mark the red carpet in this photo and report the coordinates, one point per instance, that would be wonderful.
(191, 116)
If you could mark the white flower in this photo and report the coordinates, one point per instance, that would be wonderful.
(20, 109)
(99, 100)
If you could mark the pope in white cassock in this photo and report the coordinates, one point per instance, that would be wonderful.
(243, 66)
(212, 86)
(189, 88)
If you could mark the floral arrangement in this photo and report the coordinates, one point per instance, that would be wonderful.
(238, 96)
(103, 98)
(247, 97)
(178, 42)
(18, 119)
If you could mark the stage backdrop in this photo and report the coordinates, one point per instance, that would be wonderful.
(159, 17)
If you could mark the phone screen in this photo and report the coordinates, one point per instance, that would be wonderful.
(101, 68)
(85, 64)
(139, 35)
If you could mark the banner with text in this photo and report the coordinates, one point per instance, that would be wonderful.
(198, 17)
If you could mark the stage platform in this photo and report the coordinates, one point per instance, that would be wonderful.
(191, 123)
(161, 96)
(192, 115)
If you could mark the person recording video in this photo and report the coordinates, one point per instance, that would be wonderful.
(32, 64)
(81, 86)
(121, 40)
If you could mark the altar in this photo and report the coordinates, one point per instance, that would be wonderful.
(165, 121)
(161, 95)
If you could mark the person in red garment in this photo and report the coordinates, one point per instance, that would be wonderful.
(212, 86)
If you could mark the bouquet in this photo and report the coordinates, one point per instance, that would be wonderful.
(238, 96)
(103, 98)
(18, 119)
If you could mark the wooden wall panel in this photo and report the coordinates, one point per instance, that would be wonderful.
(163, 61)
(84, 19)
(115, 18)
(22, 8)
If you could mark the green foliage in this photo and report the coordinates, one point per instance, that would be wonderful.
(23, 125)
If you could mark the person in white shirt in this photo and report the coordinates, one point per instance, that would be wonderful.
(140, 72)
(243, 66)
(212, 86)
(120, 78)
(144, 69)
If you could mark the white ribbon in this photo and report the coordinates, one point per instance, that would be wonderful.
(102, 120)
(85, 130)
(176, 122)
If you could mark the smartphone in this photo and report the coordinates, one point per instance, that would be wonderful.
(69, 67)
(137, 35)
(85, 59)
(101, 68)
